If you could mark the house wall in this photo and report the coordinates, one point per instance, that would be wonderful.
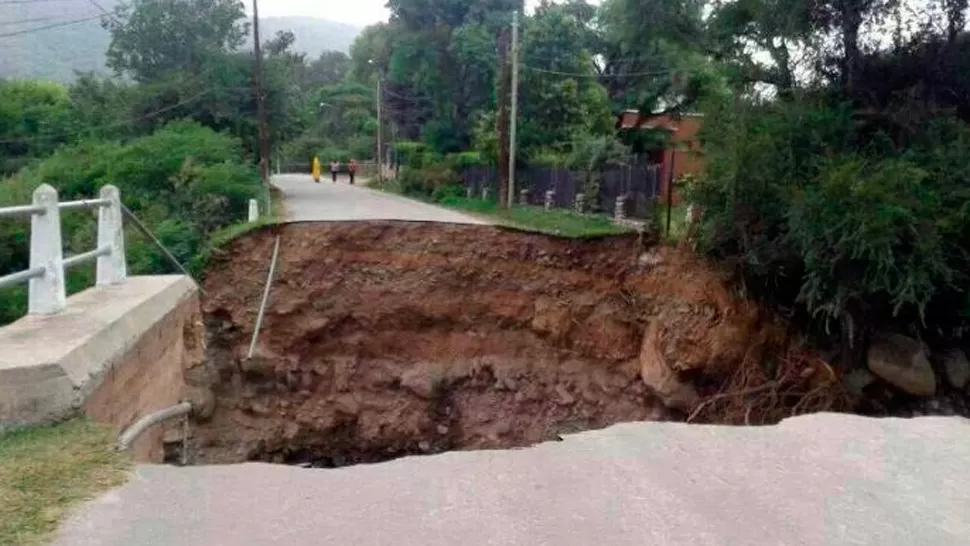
(685, 156)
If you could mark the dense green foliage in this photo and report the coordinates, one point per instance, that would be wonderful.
(185, 181)
(842, 195)
(175, 131)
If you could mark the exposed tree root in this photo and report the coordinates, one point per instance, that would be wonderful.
(802, 383)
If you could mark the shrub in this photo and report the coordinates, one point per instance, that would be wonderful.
(429, 181)
(466, 160)
(829, 214)
(410, 154)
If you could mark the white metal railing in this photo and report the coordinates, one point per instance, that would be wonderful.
(45, 276)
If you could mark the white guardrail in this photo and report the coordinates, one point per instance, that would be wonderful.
(45, 276)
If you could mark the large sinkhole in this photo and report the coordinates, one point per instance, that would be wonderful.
(382, 340)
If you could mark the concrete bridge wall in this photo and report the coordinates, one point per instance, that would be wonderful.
(115, 354)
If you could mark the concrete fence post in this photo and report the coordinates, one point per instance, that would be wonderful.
(46, 294)
(113, 267)
(550, 200)
(580, 203)
(619, 213)
(253, 210)
(523, 196)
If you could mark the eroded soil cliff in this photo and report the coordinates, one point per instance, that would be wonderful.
(386, 339)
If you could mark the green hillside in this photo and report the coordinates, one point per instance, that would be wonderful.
(57, 53)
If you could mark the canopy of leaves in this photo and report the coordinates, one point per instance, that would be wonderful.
(153, 38)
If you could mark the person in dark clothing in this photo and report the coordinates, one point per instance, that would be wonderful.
(334, 167)
(352, 169)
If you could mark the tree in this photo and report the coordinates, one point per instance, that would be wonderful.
(653, 50)
(561, 100)
(151, 39)
(330, 68)
(437, 58)
(739, 29)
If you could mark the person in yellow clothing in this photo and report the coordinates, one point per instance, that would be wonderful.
(316, 169)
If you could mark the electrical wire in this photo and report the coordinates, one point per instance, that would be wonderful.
(27, 21)
(48, 27)
(620, 75)
(104, 11)
(99, 6)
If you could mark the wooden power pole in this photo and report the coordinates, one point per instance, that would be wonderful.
(260, 99)
(379, 158)
(502, 123)
(515, 106)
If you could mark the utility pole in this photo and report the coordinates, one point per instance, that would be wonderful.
(379, 158)
(260, 99)
(515, 105)
(502, 123)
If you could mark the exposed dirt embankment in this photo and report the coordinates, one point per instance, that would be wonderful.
(385, 339)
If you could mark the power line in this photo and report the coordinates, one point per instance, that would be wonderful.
(594, 57)
(104, 11)
(47, 27)
(597, 76)
(28, 21)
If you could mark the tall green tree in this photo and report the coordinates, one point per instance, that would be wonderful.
(562, 101)
(150, 39)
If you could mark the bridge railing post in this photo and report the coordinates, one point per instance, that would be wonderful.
(112, 267)
(46, 293)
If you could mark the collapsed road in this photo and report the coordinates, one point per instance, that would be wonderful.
(385, 340)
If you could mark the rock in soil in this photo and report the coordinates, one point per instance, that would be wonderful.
(856, 381)
(957, 368)
(902, 362)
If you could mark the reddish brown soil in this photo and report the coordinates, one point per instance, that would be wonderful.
(386, 339)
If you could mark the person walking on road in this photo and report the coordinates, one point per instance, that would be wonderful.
(334, 167)
(316, 169)
(352, 169)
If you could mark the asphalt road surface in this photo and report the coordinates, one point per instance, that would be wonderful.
(307, 201)
(815, 480)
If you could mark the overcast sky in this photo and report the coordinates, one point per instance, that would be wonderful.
(355, 12)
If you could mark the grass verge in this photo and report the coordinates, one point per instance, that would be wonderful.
(554, 222)
(45, 471)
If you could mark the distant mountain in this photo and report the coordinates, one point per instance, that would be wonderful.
(57, 53)
(52, 53)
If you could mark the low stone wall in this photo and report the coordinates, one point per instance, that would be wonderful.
(116, 354)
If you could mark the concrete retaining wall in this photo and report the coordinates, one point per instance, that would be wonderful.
(116, 353)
